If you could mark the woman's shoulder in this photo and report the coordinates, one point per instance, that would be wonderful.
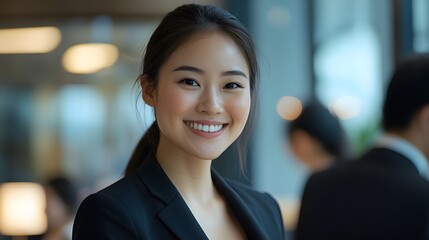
(126, 184)
(117, 209)
(125, 192)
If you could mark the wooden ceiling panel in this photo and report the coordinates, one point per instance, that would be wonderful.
(57, 8)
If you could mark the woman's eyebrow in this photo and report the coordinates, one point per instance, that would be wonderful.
(234, 73)
(200, 71)
(189, 68)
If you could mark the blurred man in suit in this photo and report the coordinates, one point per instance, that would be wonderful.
(385, 193)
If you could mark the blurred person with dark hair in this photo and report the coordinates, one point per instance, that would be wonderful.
(61, 204)
(316, 137)
(385, 193)
(317, 140)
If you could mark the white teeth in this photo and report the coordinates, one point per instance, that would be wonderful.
(204, 128)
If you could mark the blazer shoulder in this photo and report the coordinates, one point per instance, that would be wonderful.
(332, 174)
(122, 187)
(111, 213)
(101, 216)
(363, 174)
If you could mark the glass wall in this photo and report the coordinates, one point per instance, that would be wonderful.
(420, 19)
(58, 119)
(352, 61)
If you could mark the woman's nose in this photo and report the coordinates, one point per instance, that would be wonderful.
(211, 102)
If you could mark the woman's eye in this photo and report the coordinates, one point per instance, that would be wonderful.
(232, 85)
(189, 82)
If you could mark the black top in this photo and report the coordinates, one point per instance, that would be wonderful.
(380, 196)
(146, 205)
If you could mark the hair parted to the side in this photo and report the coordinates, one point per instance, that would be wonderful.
(407, 93)
(174, 30)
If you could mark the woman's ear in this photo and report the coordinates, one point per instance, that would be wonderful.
(148, 90)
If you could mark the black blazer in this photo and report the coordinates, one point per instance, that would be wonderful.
(380, 196)
(146, 205)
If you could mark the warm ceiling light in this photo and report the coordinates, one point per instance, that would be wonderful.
(29, 40)
(346, 107)
(289, 108)
(22, 209)
(89, 58)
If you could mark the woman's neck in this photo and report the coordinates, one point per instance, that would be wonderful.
(191, 176)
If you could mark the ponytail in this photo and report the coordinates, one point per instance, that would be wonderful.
(148, 143)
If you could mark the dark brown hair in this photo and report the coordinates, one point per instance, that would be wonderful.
(175, 28)
(407, 92)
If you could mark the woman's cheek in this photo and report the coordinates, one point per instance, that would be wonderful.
(177, 101)
(240, 107)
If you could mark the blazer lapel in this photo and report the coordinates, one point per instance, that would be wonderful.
(176, 215)
(246, 213)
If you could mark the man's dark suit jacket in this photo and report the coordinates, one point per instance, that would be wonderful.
(380, 196)
(146, 205)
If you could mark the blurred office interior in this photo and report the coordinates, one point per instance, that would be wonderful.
(68, 105)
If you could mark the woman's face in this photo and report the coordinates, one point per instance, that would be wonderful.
(202, 99)
(309, 151)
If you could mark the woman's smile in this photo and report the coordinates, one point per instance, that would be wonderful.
(208, 129)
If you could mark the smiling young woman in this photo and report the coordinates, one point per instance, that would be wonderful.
(203, 84)
(200, 75)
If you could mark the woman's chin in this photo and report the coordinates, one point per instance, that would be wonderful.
(209, 156)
